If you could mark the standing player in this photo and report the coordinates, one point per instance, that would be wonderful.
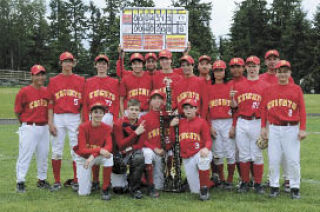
(127, 131)
(190, 87)
(137, 85)
(283, 107)
(220, 119)
(31, 108)
(152, 150)
(151, 63)
(195, 148)
(94, 147)
(66, 91)
(204, 67)
(101, 88)
(248, 99)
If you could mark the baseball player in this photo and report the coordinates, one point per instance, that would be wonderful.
(31, 109)
(127, 131)
(248, 99)
(137, 85)
(220, 119)
(151, 62)
(66, 92)
(271, 58)
(204, 67)
(101, 88)
(190, 87)
(284, 108)
(94, 147)
(152, 150)
(195, 148)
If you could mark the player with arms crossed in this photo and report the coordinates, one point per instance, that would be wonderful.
(31, 109)
(284, 108)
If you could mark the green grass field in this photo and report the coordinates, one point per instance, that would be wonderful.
(66, 200)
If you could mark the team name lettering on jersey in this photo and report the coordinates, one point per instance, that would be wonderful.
(92, 146)
(192, 136)
(188, 95)
(67, 92)
(102, 93)
(282, 103)
(138, 92)
(38, 103)
(219, 102)
(249, 96)
(154, 133)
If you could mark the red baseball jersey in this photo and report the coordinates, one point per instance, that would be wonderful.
(193, 136)
(249, 97)
(32, 104)
(191, 88)
(66, 93)
(133, 87)
(125, 136)
(91, 139)
(158, 80)
(272, 78)
(178, 71)
(151, 137)
(104, 89)
(234, 82)
(283, 103)
(219, 101)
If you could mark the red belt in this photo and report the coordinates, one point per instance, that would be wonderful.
(37, 124)
(249, 117)
(286, 123)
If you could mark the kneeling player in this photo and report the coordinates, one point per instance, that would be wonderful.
(195, 145)
(94, 147)
(127, 131)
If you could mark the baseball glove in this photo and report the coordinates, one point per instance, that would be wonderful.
(262, 143)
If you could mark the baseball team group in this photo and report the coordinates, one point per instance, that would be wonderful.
(116, 123)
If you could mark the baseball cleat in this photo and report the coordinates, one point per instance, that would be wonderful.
(286, 186)
(243, 188)
(56, 187)
(204, 193)
(137, 194)
(274, 192)
(295, 193)
(95, 186)
(228, 186)
(258, 189)
(43, 184)
(21, 188)
(75, 187)
(105, 194)
(153, 192)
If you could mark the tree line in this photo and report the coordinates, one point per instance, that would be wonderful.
(37, 31)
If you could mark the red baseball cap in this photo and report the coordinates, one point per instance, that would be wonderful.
(150, 55)
(187, 58)
(282, 63)
(253, 59)
(191, 102)
(98, 104)
(165, 54)
(101, 57)
(157, 92)
(236, 61)
(36, 69)
(136, 56)
(66, 56)
(204, 57)
(219, 64)
(271, 52)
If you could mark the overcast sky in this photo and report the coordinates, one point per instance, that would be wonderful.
(222, 12)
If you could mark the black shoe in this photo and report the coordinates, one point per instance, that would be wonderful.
(120, 190)
(95, 186)
(153, 192)
(56, 187)
(251, 184)
(274, 192)
(137, 194)
(105, 194)
(258, 189)
(228, 186)
(21, 188)
(243, 188)
(75, 187)
(204, 193)
(43, 184)
(295, 193)
(220, 185)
